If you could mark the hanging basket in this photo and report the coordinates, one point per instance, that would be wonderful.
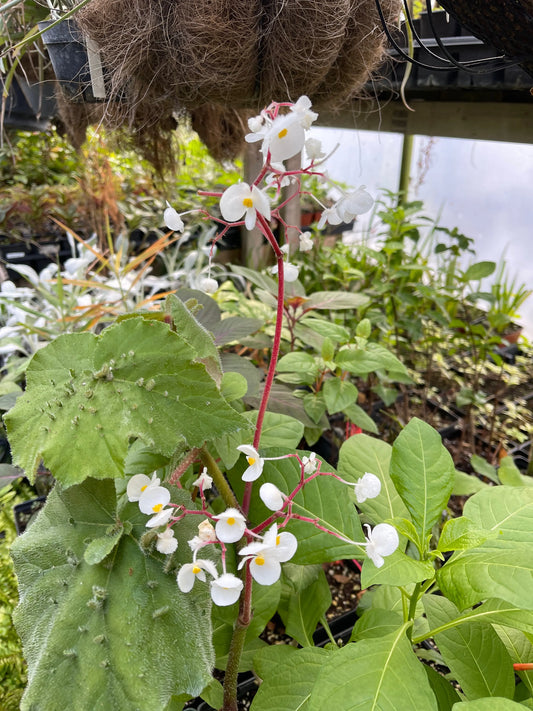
(76, 64)
(166, 58)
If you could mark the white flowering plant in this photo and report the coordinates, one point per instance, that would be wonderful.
(180, 524)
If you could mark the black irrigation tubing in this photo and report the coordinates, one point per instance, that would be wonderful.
(449, 58)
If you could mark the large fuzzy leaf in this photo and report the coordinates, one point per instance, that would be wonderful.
(117, 634)
(87, 396)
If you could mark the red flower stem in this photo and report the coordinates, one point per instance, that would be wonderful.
(265, 229)
(523, 667)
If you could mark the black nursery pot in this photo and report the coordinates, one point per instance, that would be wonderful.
(68, 53)
(26, 511)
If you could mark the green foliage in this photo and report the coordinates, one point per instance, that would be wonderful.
(104, 627)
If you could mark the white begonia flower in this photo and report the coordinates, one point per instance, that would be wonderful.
(208, 285)
(230, 526)
(138, 484)
(204, 481)
(290, 271)
(367, 487)
(313, 148)
(353, 203)
(241, 199)
(256, 463)
(331, 216)
(306, 242)
(381, 542)
(310, 463)
(302, 109)
(166, 543)
(190, 571)
(172, 219)
(153, 501)
(266, 557)
(226, 589)
(271, 496)
(284, 139)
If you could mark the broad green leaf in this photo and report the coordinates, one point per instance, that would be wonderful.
(289, 684)
(466, 484)
(338, 394)
(234, 328)
(327, 329)
(359, 417)
(372, 358)
(323, 498)
(460, 534)
(507, 511)
(232, 363)
(422, 471)
(256, 278)
(213, 694)
(270, 657)
(509, 474)
(492, 704)
(376, 623)
(480, 270)
(208, 311)
(135, 380)
(476, 656)
(97, 636)
(196, 335)
(374, 674)
(282, 401)
(360, 454)
(279, 430)
(444, 692)
(305, 597)
(336, 300)
(101, 547)
(497, 568)
(296, 362)
(233, 386)
(143, 460)
(315, 406)
(520, 648)
(398, 569)
(481, 466)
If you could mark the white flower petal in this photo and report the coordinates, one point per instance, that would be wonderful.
(204, 480)
(265, 569)
(261, 202)
(153, 499)
(160, 519)
(208, 285)
(306, 242)
(166, 542)
(136, 485)
(230, 526)
(226, 589)
(285, 138)
(173, 220)
(250, 218)
(382, 541)
(367, 487)
(271, 496)
(286, 546)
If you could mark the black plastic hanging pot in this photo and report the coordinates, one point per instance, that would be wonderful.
(78, 72)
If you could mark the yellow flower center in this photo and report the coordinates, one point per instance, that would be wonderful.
(259, 560)
(196, 570)
(248, 202)
(144, 487)
(157, 508)
(231, 520)
(282, 133)
(278, 539)
(251, 460)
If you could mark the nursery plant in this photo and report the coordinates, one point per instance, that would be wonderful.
(179, 523)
